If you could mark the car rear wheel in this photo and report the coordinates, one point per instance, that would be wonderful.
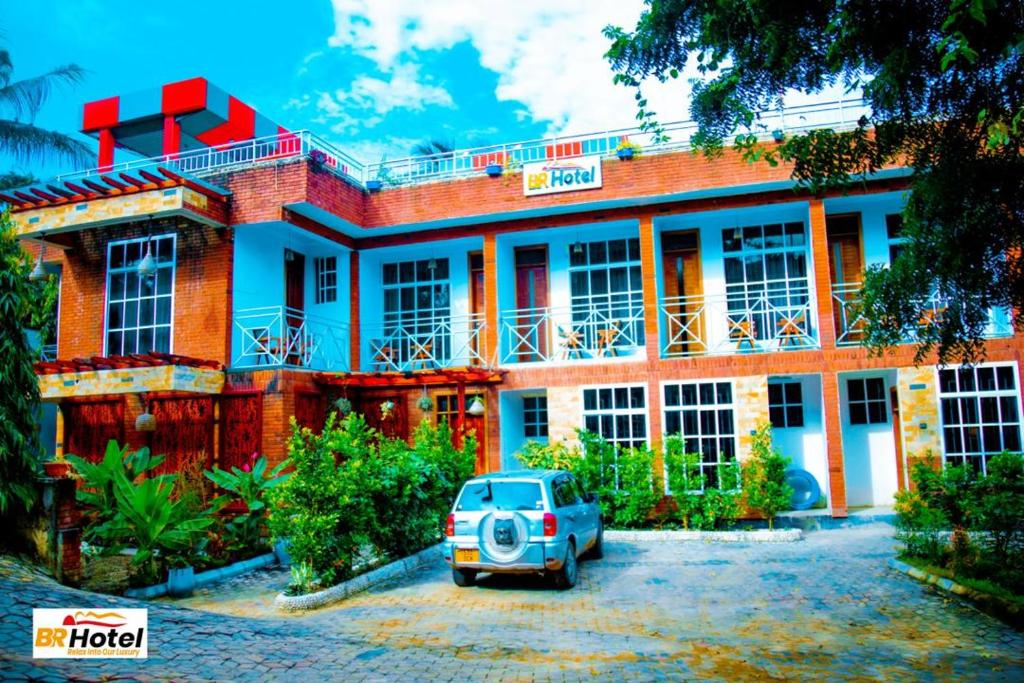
(464, 577)
(597, 551)
(565, 577)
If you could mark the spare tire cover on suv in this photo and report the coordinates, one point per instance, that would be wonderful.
(504, 535)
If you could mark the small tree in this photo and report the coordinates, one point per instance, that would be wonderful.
(685, 480)
(764, 477)
(19, 390)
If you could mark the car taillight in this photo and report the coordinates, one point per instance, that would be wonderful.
(550, 524)
(449, 527)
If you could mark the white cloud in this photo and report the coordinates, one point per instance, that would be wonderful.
(549, 56)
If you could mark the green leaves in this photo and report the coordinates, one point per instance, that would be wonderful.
(764, 476)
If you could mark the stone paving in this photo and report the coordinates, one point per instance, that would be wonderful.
(824, 608)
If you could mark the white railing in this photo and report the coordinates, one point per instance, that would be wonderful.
(279, 336)
(48, 352)
(851, 324)
(838, 114)
(425, 343)
(720, 324)
(220, 158)
(529, 335)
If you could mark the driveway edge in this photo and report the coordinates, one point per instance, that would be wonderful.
(990, 604)
(752, 536)
(390, 571)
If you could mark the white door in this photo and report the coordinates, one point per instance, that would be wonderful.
(869, 447)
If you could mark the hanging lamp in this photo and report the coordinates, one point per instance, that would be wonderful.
(476, 407)
(38, 273)
(147, 266)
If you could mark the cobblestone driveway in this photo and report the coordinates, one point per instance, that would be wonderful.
(825, 608)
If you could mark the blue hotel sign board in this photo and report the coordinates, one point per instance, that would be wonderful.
(562, 175)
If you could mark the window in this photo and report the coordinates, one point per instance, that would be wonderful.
(490, 495)
(139, 307)
(702, 414)
(618, 414)
(607, 291)
(894, 233)
(785, 404)
(447, 408)
(417, 309)
(980, 413)
(867, 401)
(535, 416)
(766, 278)
(326, 271)
(565, 493)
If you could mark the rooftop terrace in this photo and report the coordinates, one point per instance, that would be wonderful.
(461, 163)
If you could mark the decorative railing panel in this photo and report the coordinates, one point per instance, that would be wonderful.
(721, 324)
(279, 336)
(425, 343)
(530, 335)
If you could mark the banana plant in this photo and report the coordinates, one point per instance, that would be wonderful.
(248, 484)
(96, 494)
(158, 526)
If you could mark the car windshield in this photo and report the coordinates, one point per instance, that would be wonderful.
(500, 495)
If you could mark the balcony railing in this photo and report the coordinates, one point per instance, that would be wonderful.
(425, 343)
(851, 324)
(839, 114)
(723, 324)
(279, 336)
(570, 332)
(48, 352)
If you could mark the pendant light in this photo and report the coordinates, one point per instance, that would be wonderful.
(146, 421)
(147, 266)
(38, 273)
(476, 407)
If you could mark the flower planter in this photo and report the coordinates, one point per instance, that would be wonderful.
(625, 153)
(778, 135)
(494, 170)
(374, 185)
(181, 581)
(57, 468)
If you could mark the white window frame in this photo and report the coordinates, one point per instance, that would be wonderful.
(614, 412)
(977, 395)
(625, 305)
(321, 273)
(173, 266)
(893, 241)
(743, 297)
(717, 407)
(418, 323)
(785, 405)
(531, 417)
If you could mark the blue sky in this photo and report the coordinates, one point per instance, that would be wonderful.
(373, 76)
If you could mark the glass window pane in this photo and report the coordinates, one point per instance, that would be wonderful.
(774, 394)
(617, 251)
(986, 379)
(671, 394)
(858, 414)
(793, 392)
(673, 425)
(725, 422)
(947, 381)
(689, 394)
(777, 416)
(1005, 376)
(855, 389)
(724, 392)
(636, 397)
(794, 416)
(598, 253)
(707, 394)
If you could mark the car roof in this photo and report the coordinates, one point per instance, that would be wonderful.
(538, 475)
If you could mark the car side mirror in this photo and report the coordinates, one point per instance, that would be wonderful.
(589, 497)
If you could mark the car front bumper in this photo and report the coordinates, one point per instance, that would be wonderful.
(539, 556)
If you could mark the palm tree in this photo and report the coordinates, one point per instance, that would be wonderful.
(20, 101)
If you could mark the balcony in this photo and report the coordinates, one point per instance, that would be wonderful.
(723, 324)
(851, 325)
(571, 332)
(426, 343)
(278, 336)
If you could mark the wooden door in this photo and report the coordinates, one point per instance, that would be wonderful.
(184, 434)
(447, 409)
(681, 270)
(531, 339)
(241, 428)
(295, 303)
(476, 306)
(846, 267)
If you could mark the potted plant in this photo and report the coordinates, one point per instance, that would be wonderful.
(317, 159)
(494, 170)
(627, 150)
(425, 403)
(374, 184)
(57, 468)
(779, 135)
(181, 577)
(344, 406)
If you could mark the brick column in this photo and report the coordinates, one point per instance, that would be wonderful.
(822, 277)
(353, 316)
(834, 443)
(491, 297)
(64, 529)
(648, 273)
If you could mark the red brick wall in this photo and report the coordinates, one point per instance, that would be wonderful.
(202, 286)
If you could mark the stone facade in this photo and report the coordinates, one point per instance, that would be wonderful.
(919, 413)
(565, 414)
(751, 401)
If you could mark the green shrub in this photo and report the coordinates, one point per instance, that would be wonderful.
(764, 477)
(246, 532)
(635, 498)
(353, 487)
(685, 481)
